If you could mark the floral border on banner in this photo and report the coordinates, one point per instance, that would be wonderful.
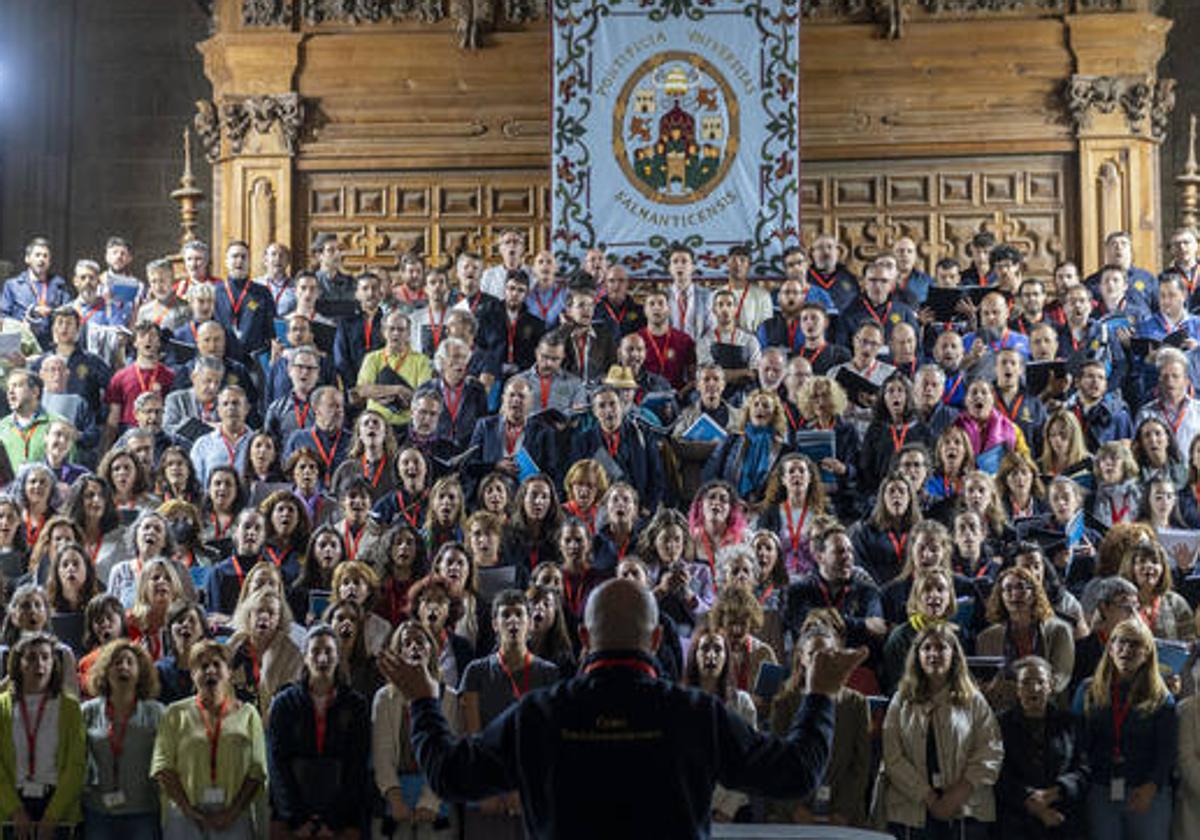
(769, 182)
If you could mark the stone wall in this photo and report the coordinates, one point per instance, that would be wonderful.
(93, 100)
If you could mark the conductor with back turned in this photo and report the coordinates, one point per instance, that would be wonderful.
(615, 751)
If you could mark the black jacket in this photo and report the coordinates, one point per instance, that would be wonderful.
(661, 748)
(1052, 760)
(331, 785)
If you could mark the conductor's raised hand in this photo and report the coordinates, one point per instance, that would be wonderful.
(831, 669)
(413, 680)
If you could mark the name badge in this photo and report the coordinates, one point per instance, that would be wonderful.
(213, 796)
(113, 799)
(32, 790)
(936, 781)
(1116, 790)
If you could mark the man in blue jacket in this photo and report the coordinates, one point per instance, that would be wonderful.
(615, 751)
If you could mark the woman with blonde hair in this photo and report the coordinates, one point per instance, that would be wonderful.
(746, 457)
(931, 602)
(358, 582)
(408, 799)
(585, 484)
(941, 745)
(1065, 450)
(1023, 624)
(262, 657)
(1165, 611)
(953, 458)
(823, 407)
(738, 617)
(146, 621)
(120, 800)
(1020, 487)
(1130, 738)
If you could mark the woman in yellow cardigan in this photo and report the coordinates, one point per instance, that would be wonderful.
(41, 773)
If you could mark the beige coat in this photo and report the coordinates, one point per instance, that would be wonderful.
(1187, 794)
(1058, 648)
(969, 747)
(391, 749)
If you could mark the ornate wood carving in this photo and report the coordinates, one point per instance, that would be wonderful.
(267, 12)
(380, 216)
(1161, 108)
(1134, 95)
(941, 204)
(235, 119)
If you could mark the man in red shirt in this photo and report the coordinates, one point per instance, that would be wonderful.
(670, 353)
(145, 373)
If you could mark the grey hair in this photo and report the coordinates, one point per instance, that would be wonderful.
(209, 363)
(443, 351)
(90, 265)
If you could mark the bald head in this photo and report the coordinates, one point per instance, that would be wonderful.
(621, 615)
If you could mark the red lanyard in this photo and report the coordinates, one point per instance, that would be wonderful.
(762, 599)
(1179, 415)
(283, 287)
(512, 340)
(1150, 614)
(1011, 414)
(1027, 645)
(96, 550)
(84, 317)
(710, 553)
(237, 307)
(792, 328)
(1117, 514)
(436, 329)
(517, 692)
(821, 280)
(143, 386)
(321, 718)
(301, 416)
(43, 292)
(660, 353)
(879, 319)
(368, 329)
(218, 531)
(635, 664)
(352, 541)
(454, 398)
(545, 309)
(237, 570)
(27, 434)
(326, 457)
(682, 304)
(31, 736)
(794, 534)
(898, 439)
(544, 383)
(116, 737)
(378, 472)
(829, 601)
(274, 555)
(255, 667)
(231, 446)
(1120, 711)
(214, 735)
(953, 387)
(588, 517)
(898, 545)
(416, 514)
(511, 436)
(743, 678)
(613, 442)
(614, 315)
(31, 532)
(737, 313)
(574, 595)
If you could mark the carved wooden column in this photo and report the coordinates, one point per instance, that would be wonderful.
(1119, 110)
(251, 133)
